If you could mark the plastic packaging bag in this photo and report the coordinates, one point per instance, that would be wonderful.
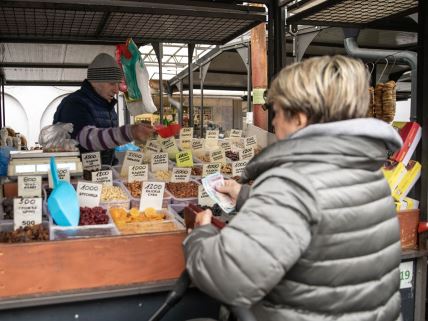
(56, 138)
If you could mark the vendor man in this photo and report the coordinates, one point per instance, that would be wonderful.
(91, 111)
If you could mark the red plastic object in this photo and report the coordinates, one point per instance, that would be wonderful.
(167, 131)
(423, 227)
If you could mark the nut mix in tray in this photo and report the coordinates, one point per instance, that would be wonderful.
(183, 190)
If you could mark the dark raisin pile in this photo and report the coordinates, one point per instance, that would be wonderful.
(93, 216)
(25, 234)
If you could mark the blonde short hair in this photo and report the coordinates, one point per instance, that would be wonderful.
(325, 89)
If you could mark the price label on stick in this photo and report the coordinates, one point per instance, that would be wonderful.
(210, 168)
(131, 159)
(153, 147)
(186, 133)
(184, 159)
(217, 156)
(63, 174)
(250, 142)
(138, 173)
(212, 134)
(235, 133)
(27, 212)
(103, 177)
(197, 144)
(152, 195)
(238, 167)
(30, 186)
(246, 154)
(89, 194)
(159, 162)
(168, 144)
(203, 198)
(180, 174)
(225, 145)
(91, 161)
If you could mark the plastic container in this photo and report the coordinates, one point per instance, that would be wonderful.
(187, 200)
(7, 226)
(409, 221)
(135, 201)
(74, 232)
(170, 224)
(118, 203)
(176, 209)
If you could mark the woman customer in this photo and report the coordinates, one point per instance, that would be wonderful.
(316, 236)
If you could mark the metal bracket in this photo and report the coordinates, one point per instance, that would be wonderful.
(244, 52)
(303, 41)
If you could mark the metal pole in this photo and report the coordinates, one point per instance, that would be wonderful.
(191, 48)
(181, 112)
(201, 121)
(3, 105)
(1, 100)
(249, 89)
(158, 48)
(271, 53)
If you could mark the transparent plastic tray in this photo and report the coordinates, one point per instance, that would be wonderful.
(7, 226)
(187, 200)
(84, 231)
(170, 224)
(118, 203)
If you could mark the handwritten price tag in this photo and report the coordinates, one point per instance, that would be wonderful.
(246, 154)
(103, 177)
(203, 197)
(225, 145)
(238, 167)
(63, 174)
(152, 195)
(27, 212)
(159, 162)
(212, 134)
(250, 142)
(186, 133)
(29, 186)
(217, 156)
(168, 144)
(131, 159)
(89, 194)
(180, 174)
(210, 168)
(91, 161)
(197, 144)
(138, 173)
(184, 159)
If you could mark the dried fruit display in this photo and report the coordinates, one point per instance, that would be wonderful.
(121, 216)
(183, 190)
(135, 189)
(226, 169)
(112, 193)
(163, 175)
(196, 171)
(26, 234)
(232, 155)
(93, 216)
(8, 208)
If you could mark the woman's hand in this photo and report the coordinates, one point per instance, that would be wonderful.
(141, 131)
(230, 188)
(203, 218)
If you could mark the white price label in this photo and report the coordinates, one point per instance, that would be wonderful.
(168, 144)
(406, 275)
(197, 144)
(131, 159)
(30, 186)
(152, 195)
(212, 134)
(186, 143)
(235, 133)
(210, 168)
(103, 177)
(186, 133)
(180, 174)
(89, 194)
(246, 153)
(238, 167)
(91, 161)
(250, 142)
(225, 145)
(203, 197)
(217, 156)
(159, 162)
(63, 174)
(152, 146)
(27, 212)
(138, 173)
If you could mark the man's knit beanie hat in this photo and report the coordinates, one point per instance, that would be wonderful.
(104, 69)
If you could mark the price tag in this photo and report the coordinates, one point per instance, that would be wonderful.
(406, 275)
(203, 197)
(197, 144)
(89, 194)
(212, 134)
(138, 173)
(27, 212)
(225, 145)
(250, 142)
(91, 161)
(238, 167)
(29, 186)
(246, 153)
(131, 159)
(186, 133)
(152, 195)
(235, 133)
(180, 174)
(152, 146)
(168, 145)
(217, 156)
(184, 159)
(103, 177)
(159, 162)
(63, 173)
(210, 168)
(186, 143)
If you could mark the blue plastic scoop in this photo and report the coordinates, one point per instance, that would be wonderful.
(63, 203)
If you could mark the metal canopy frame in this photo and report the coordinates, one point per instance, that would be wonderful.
(349, 13)
(113, 21)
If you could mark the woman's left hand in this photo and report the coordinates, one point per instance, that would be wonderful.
(203, 218)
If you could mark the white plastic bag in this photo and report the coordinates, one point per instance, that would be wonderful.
(56, 138)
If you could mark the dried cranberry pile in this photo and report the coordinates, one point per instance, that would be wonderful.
(93, 216)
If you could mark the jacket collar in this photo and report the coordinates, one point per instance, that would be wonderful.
(93, 95)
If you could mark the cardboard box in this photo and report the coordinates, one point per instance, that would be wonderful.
(394, 173)
(411, 134)
(408, 181)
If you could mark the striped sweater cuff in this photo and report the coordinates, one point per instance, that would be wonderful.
(92, 138)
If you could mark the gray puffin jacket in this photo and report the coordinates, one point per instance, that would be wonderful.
(317, 237)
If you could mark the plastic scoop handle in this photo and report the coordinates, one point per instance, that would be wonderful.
(54, 172)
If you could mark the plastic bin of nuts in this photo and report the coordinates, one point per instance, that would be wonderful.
(149, 221)
(35, 233)
(94, 222)
(134, 191)
(183, 192)
(115, 196)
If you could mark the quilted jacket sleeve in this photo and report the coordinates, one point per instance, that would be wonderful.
(243, 262)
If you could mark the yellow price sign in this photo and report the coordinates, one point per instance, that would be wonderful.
(184, 159)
